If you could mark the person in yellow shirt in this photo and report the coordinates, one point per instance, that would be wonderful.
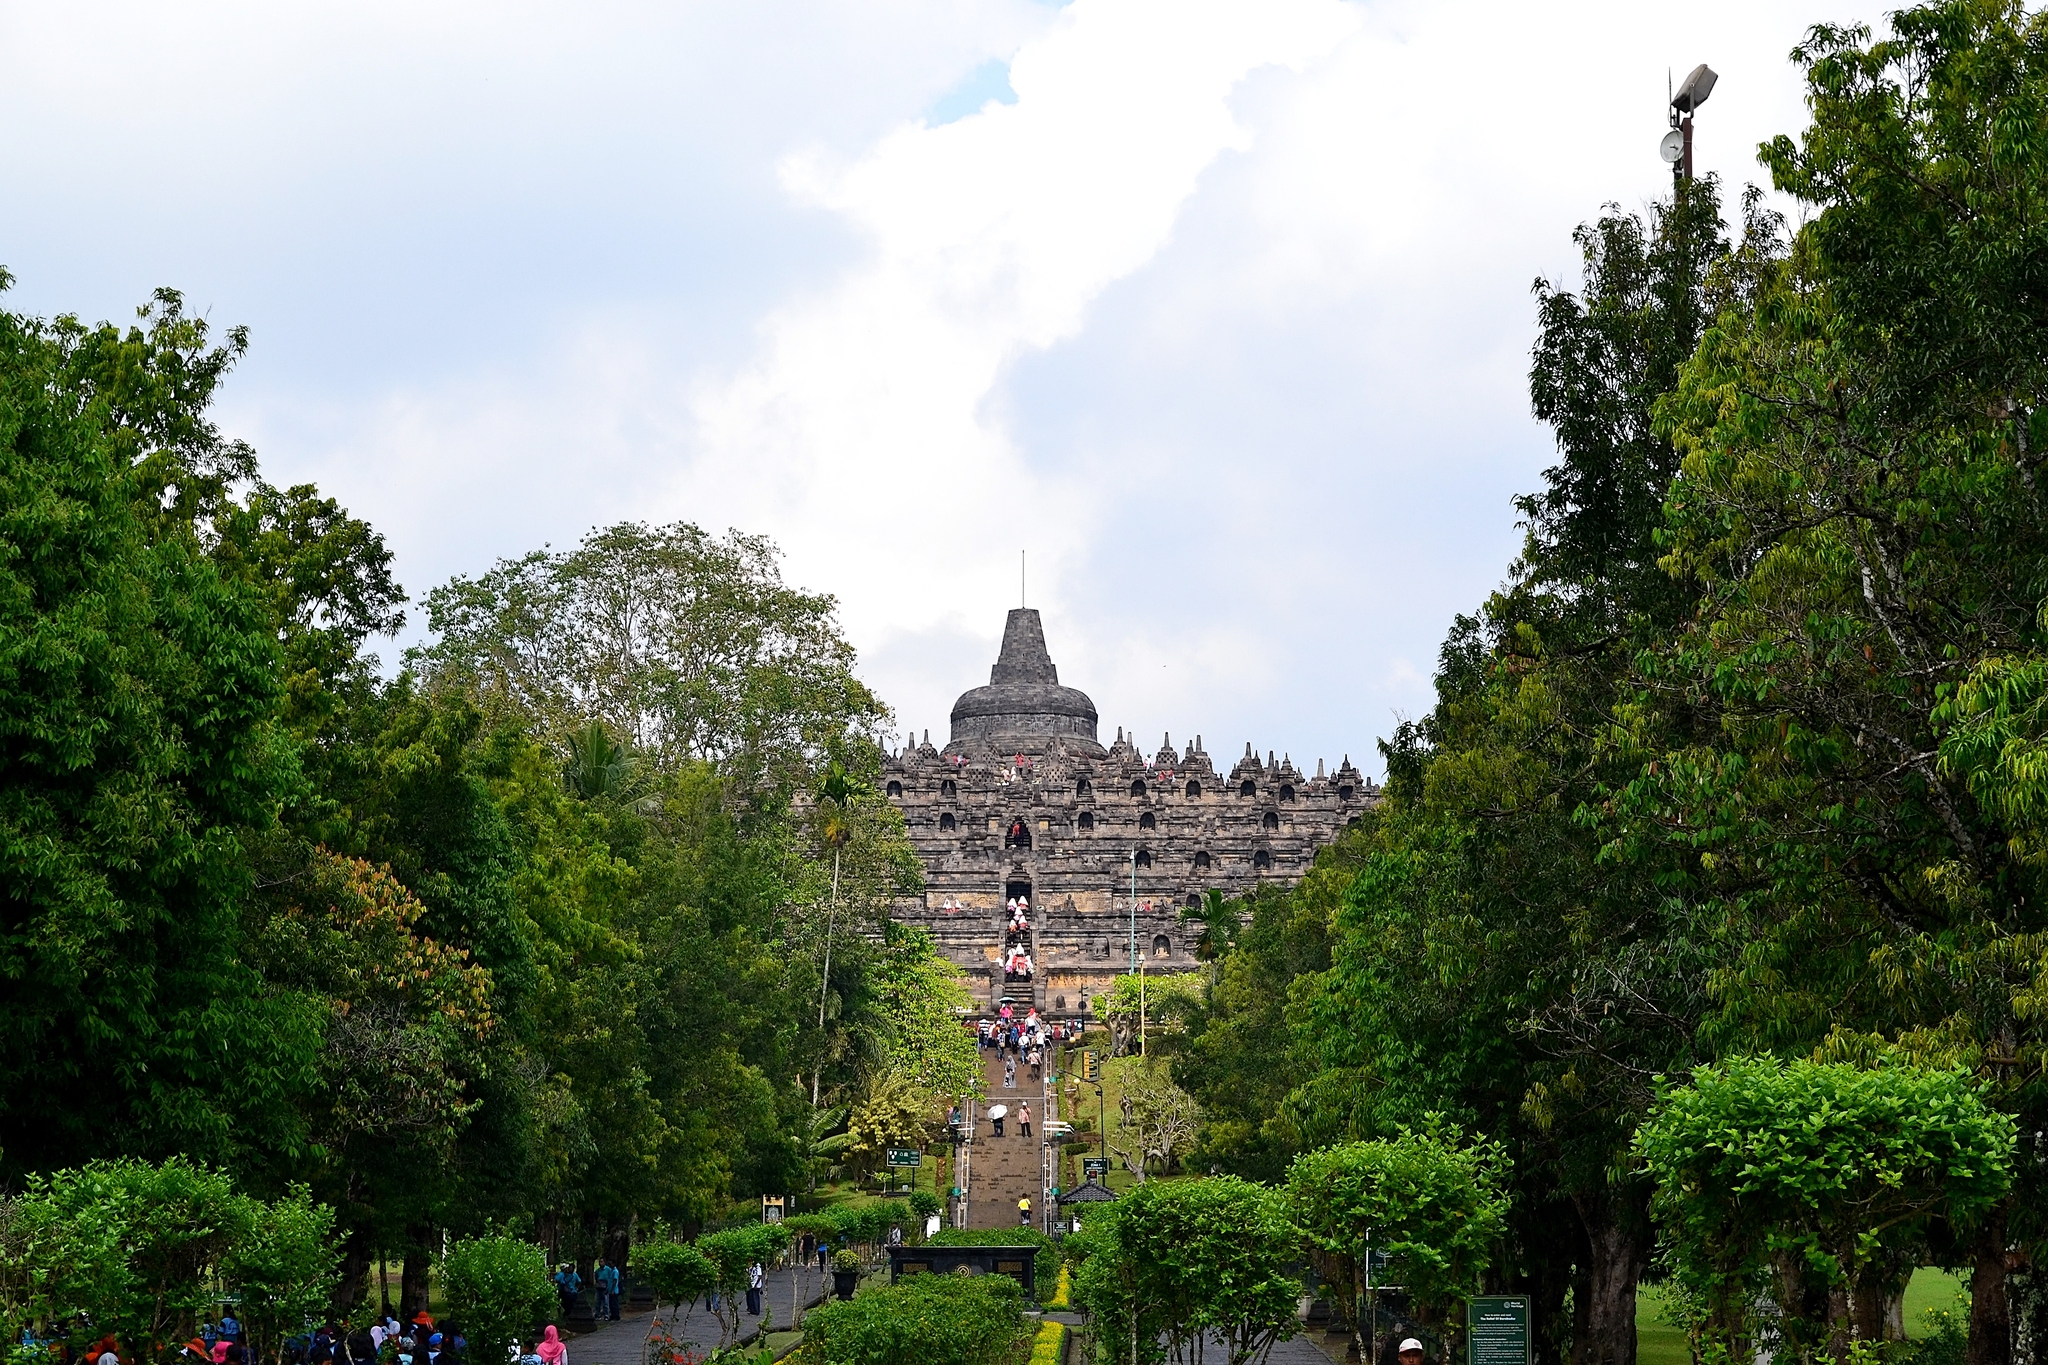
(1024, 1211)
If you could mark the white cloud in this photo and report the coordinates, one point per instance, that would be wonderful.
(864, 429)
(1225, 316)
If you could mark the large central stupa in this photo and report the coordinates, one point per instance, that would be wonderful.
(1024, 708)
(1025, 801)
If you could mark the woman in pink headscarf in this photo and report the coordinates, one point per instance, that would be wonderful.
(551, 1350)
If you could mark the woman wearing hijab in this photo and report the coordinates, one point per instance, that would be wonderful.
(551, 1350)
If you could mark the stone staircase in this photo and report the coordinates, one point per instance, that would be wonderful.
(1007, 1168)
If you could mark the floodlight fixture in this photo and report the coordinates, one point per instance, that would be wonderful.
(1697, 86)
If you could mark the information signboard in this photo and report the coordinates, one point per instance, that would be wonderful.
(905, 1156)
(1095, 1168)
(1497, 1330)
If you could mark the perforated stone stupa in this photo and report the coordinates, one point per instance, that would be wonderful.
(1025, 801)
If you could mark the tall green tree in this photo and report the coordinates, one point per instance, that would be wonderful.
(689, 645)
(1859, 508)
(1488, 955)
(139, 742)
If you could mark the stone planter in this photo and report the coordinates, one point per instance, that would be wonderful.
(844, 1282)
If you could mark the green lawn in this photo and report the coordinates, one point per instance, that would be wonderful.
(1660, 1342)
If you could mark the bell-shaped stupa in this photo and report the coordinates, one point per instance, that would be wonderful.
(1024, 709)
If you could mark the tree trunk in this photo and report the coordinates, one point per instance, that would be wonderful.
(1990, 1315)
(1548, 1285)
(1604, 1295)
(412, 1277)
(355, 1269)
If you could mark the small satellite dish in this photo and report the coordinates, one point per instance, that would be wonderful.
(1672, 147)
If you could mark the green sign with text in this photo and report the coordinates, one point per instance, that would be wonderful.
(1497, 1330)
(905, 1156)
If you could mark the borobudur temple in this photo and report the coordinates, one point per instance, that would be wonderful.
(1025, 801)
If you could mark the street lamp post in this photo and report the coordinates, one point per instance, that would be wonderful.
(1134, 909)
(1677, 145)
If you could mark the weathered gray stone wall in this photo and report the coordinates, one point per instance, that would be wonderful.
(1075, 832)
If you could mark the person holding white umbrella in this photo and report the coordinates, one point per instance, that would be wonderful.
(996, 1114)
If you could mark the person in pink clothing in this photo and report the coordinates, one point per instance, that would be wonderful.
(1024, 1120)
(551, 1350)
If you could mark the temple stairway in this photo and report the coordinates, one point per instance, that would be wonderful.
(1007, 1168)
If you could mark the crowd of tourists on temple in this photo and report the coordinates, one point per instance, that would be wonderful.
(1017, 963)
(1021, 1041)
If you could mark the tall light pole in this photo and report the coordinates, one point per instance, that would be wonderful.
(1677, 144)
(1134, 909)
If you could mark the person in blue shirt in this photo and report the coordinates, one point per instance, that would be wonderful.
(569, 1284)
(608, 1291)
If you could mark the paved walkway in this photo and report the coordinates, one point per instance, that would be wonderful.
(622, 1342)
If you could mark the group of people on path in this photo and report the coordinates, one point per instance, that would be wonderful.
(1019, 1041)
(606, 1279)
(419, 1342)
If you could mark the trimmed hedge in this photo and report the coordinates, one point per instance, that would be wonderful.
(1050, 1343)
(925, 1320)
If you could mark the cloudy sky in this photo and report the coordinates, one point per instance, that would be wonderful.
(1219, 309)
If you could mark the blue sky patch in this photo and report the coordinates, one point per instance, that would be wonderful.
(989, 81)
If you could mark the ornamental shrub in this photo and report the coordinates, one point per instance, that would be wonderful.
(1801, 1179)
(130, 1246)
(1195, 1261)
(1434, 1204)
(731, 1253)
(925, 1320)
(675, 1272)
(497, 1288)
(285, 1268)
(142, 1250)
(1050, 1343)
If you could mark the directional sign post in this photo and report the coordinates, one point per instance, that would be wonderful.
(1498, 1330)
(908, 1158)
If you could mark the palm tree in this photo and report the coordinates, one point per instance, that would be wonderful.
(1219, 923)
(601, 768)
(817, 1144)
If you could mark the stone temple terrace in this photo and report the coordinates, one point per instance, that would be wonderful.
(1024, 803)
